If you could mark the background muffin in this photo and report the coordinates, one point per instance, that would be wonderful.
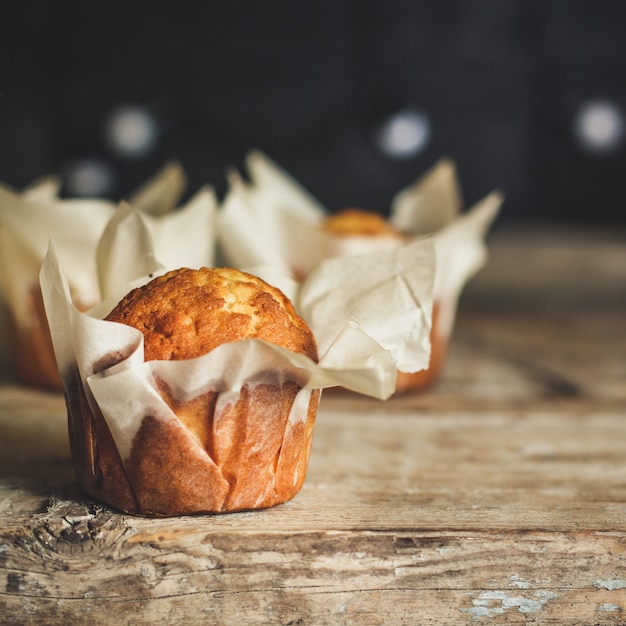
(268, 218)
(359, 223)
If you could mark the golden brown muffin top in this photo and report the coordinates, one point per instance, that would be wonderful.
(353, 221)
(186, 313)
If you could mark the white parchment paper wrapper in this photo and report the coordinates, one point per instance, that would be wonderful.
(269, 219)
(433, 205)
(272, 220)
(354, 310)
(31, 218)
(182, 236)
(368, 312)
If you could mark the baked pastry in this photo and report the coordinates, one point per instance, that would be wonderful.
(218, 450)
(354, 222)
(423, 379)
(31, 344)
(186, 313)
(30, 218)
(268, 219)
(357, 222)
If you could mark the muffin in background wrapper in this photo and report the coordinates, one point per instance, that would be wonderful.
(29, 218)
(229, 429)
(270, 219)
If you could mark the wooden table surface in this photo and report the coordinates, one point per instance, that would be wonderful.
(498, 497)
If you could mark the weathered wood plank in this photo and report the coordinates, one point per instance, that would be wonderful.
(451, 516)
(551, 361)
(396, 470)
(85, 571)
(547, 268)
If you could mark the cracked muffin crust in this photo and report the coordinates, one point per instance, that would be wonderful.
(186, 313)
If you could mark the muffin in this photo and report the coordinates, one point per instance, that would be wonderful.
(25, 227)
(186, 313)
(31, 344)
(353, 222)
(218, 448)
(31, 217)
(359, 223)
(269, 219)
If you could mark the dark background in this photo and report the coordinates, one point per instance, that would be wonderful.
(501, 83)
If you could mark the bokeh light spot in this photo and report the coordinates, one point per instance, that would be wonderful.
(131, 131)
(599, 127)
(404, 134)
(91, 178)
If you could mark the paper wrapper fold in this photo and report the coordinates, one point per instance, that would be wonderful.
(28, 219)
(269, 219)
(230, 430)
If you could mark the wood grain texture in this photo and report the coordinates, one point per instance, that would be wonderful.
(497, 498)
